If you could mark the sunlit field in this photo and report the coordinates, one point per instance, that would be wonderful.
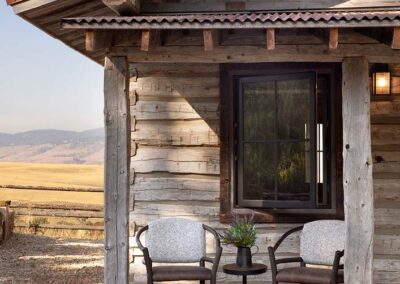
(57, 176)
(51, 175)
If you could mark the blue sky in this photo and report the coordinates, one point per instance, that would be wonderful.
(43, 83)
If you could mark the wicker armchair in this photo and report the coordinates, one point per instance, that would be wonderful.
(321, 243)
(175, 241)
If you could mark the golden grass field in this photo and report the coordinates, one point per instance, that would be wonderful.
(51, 175)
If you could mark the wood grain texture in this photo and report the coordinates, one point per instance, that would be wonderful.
(172, 110)
(97, 40)
(123, 7)
(357, 171)
(385, 135)
(176, 188)
(375, 53)
(211, 39)
(396, 38)
(333, 38)
(251, 5)
(387, 190)
(270, 35)
(150, 40)
(385, 108)
(176, 87)
(117, 124)
(197, 160)
(386, 269)
(176, 133)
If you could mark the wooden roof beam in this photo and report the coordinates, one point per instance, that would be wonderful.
(211, 39)
(123, 7)
(329, 36)
(270, 36)
(98, 39)
(150, 39)
(396, 38)
(333, 38)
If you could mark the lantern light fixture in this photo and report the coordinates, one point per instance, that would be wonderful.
(381, 82)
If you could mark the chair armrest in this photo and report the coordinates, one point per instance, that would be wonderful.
(218, 250)
(288, 260)
(336, 266)
(275, 262)
(147, 260)
(208, 259)
(285, 235)
(272, 249)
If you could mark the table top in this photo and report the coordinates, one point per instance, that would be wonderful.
(256, 268)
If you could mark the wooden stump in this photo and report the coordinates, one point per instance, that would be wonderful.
(6, 221)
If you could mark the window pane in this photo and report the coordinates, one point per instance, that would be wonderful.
(293, 108)
(292, 172)
(258, 171)
(258, 110)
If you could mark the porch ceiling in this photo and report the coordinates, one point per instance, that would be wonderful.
(254, 20)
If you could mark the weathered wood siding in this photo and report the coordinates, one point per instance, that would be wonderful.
(385, 133)
(175, 163)
(175, 155)
(229, 5)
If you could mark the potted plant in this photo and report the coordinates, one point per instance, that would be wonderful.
(241, 234)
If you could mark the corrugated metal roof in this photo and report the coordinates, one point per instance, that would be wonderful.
(242, 20)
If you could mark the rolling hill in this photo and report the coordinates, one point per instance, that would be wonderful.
(53, 146)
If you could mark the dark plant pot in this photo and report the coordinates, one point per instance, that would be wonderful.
(243, 257)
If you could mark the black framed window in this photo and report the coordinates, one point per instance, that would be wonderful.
(282, 141)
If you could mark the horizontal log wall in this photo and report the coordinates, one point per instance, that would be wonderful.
(385, 132)
(175, 162)
(175, 156)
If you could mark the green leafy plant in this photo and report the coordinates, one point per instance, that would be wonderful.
(242, 233)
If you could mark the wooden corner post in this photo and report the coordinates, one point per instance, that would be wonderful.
(117, 156)
(357, 172)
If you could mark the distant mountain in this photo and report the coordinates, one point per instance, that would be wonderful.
(53, 146)
(44, 136)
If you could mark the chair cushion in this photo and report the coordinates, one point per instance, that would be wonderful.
(175, 240)
(307, 275)
(177, 273)
(320, 240)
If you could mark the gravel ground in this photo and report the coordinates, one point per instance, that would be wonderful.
(37, 259)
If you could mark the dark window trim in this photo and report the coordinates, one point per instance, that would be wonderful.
(227, 178)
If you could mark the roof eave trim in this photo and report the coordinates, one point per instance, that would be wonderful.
(74, 24)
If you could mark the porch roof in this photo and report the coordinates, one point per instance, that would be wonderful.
(299, 19)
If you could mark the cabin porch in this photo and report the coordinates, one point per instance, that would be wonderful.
(169, 115)
(176, 114)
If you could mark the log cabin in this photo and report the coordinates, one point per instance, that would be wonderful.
(288, 110)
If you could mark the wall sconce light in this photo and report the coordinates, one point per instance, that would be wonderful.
(382, 87)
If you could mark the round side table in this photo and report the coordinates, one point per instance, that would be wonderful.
(256, 268)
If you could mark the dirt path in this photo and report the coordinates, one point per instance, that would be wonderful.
(36, 259)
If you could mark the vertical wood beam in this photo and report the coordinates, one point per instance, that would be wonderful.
(211, 39)
(270, 35)
(357, 171)
(117, 160)
(333, 38)
(396, 38)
